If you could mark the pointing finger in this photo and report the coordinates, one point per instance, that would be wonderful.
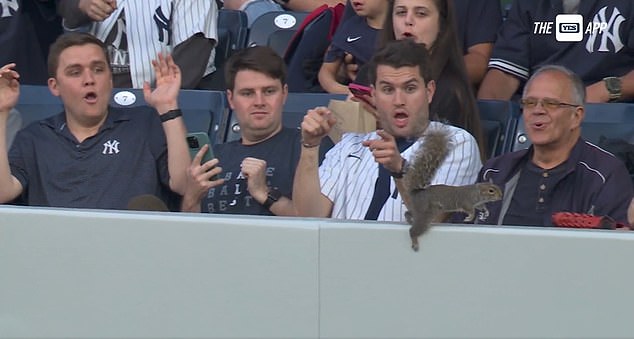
(385, 135)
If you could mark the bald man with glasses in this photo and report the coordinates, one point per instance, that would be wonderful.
(560, 172)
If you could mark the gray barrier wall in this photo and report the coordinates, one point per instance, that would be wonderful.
(95, 274)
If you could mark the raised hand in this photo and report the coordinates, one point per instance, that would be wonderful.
(316, 125)
(9, 88)
(350, 66)
(97, 10)
(168, 82)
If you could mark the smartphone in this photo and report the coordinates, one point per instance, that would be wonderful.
(195, 141)
(361, 92)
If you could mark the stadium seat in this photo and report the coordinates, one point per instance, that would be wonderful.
(279, 40)
(498, 119)
(36, 103)
(233, 30)
(609, 126)
(294, 110)
(275, 29)
(203, 111)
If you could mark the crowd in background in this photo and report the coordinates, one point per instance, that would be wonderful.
(472, 52)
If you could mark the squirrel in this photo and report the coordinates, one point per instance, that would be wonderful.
(428, 202)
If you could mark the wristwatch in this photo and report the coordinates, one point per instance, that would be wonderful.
(613, 84)
(273, 197)
(399, 175)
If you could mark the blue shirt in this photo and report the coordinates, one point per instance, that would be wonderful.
(477, 21)
(126, 158)
(355, 37)
(281, 153)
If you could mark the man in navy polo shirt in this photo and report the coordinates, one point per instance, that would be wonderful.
(92, 155)
(560, 172)
(604, 58)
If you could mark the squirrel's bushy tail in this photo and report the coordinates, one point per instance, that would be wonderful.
(429, 156)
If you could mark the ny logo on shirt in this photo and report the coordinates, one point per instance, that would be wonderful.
(110, 147)
(164, 25)
(610, 32)
(8, 4)
(118, 50)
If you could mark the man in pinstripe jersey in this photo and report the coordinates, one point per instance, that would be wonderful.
(135, 31)
(349, 177)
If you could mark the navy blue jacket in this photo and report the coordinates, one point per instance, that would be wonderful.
(595, 182)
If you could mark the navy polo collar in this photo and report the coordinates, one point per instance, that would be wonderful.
(569, 164)
(115, 115)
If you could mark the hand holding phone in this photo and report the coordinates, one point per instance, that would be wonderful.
(359, 90)
(195, 141)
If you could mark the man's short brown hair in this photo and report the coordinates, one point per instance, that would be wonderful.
(67, 40)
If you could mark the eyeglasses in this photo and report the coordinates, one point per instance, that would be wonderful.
(547, 103)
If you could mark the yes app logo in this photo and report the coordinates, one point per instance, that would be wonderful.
(568, 27)
(603, 29)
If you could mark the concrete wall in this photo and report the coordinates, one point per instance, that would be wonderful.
(89, 274)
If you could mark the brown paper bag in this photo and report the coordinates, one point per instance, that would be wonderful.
(351, 117)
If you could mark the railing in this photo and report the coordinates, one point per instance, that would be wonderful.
(118, 274)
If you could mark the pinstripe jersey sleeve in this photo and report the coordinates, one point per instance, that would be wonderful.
(146, 29)
(192, 17)
(196, 16)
